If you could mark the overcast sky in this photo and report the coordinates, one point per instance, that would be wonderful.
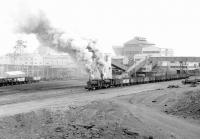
(167, 23)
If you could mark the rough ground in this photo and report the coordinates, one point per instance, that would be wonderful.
(142, 111)
(96, 120)
(183, 101)
(187, 106)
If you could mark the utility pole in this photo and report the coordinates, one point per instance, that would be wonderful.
(18, 50)
(20, 45)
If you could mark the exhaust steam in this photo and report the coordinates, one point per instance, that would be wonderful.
(83, 52)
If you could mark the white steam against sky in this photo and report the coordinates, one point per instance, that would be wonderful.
(167, 23)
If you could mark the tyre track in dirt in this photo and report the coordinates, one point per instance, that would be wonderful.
(170, 126)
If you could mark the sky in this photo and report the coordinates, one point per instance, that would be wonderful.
(167, 23)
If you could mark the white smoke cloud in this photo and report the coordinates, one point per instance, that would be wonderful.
(82, 51)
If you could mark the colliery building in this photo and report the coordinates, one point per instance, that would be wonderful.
(49, 66)
(138, 48)
(136, 55)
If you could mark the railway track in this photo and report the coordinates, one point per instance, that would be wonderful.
(38, 87)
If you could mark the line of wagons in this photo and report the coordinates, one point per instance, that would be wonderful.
(108, 83)
(8, 81)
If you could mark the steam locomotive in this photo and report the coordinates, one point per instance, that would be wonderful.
(9, 81)
(108, 83)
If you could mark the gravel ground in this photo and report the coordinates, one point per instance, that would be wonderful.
(140, 111)
(103, 120)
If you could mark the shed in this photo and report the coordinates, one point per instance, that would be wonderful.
(14, 74)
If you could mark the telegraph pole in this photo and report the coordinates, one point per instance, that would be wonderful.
(19, 47)
(18, 50)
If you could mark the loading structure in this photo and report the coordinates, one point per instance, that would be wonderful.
(154, 60)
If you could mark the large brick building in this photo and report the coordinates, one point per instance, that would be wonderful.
(132, 47)
(48, 66)
(138, 48)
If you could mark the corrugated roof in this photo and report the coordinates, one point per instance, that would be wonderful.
(138, 40)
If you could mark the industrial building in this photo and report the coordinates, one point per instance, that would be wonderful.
(139, 56)
(49, 66)
(132, 47)
(138, 48)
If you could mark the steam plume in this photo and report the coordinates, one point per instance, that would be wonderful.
(84, 53)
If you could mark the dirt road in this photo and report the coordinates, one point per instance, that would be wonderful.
(164, 126)
(145, 102)
(150, 107)
(24, 102)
